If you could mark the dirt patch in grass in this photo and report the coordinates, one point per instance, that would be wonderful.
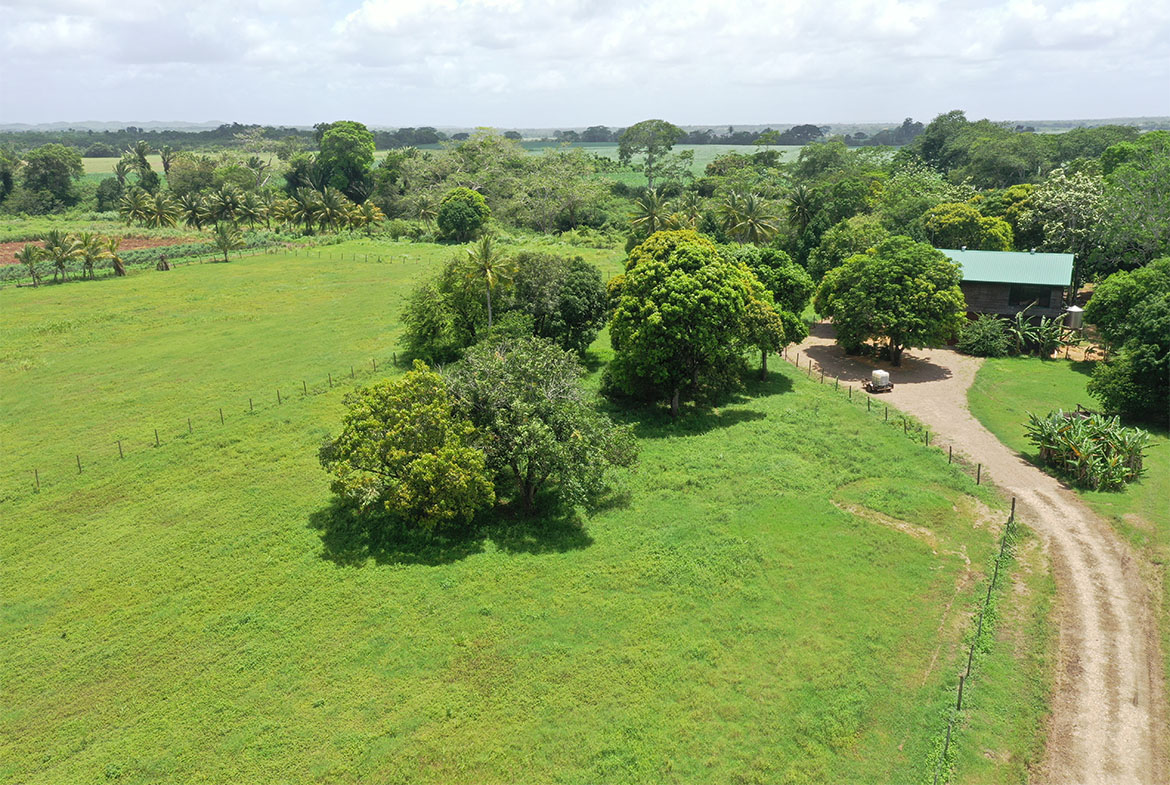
(129, 243)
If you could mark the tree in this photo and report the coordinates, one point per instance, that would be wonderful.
(462, 214)
(790, 288)
(565, 298)
(539, 429)
(651, 139)
(1069, 209)
(347, 154)
(54, 169)
(366, 216)
(1132, 311)
(954, 225)
(161, 211)
(112, 246)
(227, 238)
(403, 448)
(681, 319)
(1137, 211)
(134, 206)
(488, 265)
(109, 191)
(167, 154)
(852, 236)
(29, 256)
(92, 249)
(749, 219)
(650, 211)
(61, 249)
(902, 291)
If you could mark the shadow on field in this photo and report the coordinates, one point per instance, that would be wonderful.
(350, 540)
(653, 420)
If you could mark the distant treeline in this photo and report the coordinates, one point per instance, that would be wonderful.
(111, 144)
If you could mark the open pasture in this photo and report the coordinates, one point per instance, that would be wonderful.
(778, 595)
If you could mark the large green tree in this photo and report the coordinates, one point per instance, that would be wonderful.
(403, 448)
(540, 430)
(683, 316)
(652, 140)
(347, 155)
(462, 214)
(1132, 311)
(960, 225)
(903, 292)
(55, 170)
(565, 298)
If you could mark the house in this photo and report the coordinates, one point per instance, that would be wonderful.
(1006, 282)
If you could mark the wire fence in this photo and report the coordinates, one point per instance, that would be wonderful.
(149, 436)
(941, 759)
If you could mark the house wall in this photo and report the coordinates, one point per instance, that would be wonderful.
(984, 297)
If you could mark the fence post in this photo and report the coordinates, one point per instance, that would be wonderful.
(822, 376)
(120, 455)
(959, 702)
(887, 417)
(304, 387)
(978, 474)
(905, 425)
(1012, 517)
(374, 360)
(221, 415)
(189, 428)
(837, 383)
(396, 358)
(79, 464)
(156, 443)
(950, 452)
(868, 402)
(351, 373)
(851, 392)
(331, 381)
(37, 478)
(798, 359)
(278, 401)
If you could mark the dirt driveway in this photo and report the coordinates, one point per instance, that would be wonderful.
(1108, 720)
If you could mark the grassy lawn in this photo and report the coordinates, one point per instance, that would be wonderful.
(1006, 389)
(197, 612)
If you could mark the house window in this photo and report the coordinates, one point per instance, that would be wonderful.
(1022, 294)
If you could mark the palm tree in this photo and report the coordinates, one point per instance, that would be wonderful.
(801, 206)
(29, 256)
(729, 210)
(649, 211)
(283, 211)
(192, 210)
(223, 205)
(134, 206)
(112, 246)
(366, 216)
(92, 250)
(161, 211)
(305, 206)
(137, 153)
(121, 169)
(60, 250)
(427, 208)
(167, 154)
(690, 207)
(487, 263)
(333, 209)
(227, 238)
(754, 221)
(252, 209)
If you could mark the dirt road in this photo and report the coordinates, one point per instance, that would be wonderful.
(1108, 722)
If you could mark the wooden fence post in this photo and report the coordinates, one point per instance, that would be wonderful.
(156, 443)
(979, 474)
(221, 415)
(120, 454)
(37, 478)
(79, 464)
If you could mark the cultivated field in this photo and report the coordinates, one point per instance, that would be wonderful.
(778, 596)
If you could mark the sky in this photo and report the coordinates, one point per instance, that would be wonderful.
(572, 63)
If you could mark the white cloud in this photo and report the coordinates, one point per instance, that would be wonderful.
(499, 61)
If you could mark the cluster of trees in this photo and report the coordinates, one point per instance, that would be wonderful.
(487, 292)
(510, 420)
(62, 251)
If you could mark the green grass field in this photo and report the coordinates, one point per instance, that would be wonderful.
(1005, 390)
(105, 166)
(750, 609)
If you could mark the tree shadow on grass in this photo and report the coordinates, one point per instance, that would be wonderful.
(653, 420)
(352, 540)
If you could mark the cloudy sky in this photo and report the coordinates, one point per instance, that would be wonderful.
(525, 63)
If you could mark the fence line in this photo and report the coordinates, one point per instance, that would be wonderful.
(281, 396)
(943, 765)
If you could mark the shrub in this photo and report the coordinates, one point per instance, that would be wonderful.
(984, 337)
(1092, 451)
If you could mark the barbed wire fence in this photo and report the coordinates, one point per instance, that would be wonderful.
(941, 756)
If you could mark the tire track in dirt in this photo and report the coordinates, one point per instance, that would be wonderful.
(1108, 723)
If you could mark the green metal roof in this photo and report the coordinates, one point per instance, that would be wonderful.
(1040, 269)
